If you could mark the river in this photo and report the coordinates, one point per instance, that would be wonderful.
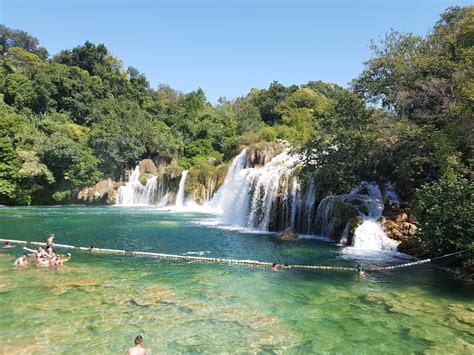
(99, 303)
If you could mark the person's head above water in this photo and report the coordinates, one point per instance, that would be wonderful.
(138, 340)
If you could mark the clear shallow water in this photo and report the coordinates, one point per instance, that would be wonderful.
(99, 303)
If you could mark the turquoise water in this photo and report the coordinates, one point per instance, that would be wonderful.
(99, 303)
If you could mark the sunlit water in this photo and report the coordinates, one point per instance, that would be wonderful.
(99, 303)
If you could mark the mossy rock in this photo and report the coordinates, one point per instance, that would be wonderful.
(147, 166)
(203, 180)
(353, 224)
(144, 177)
(342, 214)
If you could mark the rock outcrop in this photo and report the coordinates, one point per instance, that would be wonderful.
(261, 153)
(399, 225)
(104, 192)
(203, 180)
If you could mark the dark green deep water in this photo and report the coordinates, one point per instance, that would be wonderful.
(99, 303)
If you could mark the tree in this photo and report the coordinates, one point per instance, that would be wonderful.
(19, 91)
(10, 38)
(247, 116)
(444, 209)
(268, 100)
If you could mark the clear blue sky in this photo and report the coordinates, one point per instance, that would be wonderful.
(226, 47)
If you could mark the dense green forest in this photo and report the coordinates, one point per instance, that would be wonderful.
(69, 120)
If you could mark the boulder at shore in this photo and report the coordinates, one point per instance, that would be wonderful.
(289, 234)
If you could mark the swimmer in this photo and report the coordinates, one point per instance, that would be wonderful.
(49, 252)
(42, 258)
(50, 240)
(41, 254)
(22, 261)
(276, 267)
(360, 270)
(137, 349)
(7, 245)
(57, 261)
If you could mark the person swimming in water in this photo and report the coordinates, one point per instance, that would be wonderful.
(49, 252)
(50, 240)
(276, 267)
(57, 261)
(22, 261)
(42, 258)
(8, 245)
(137, 349)
(360, 270)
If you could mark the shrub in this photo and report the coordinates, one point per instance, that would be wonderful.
(445, 210)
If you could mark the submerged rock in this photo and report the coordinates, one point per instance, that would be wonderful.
(289, 234)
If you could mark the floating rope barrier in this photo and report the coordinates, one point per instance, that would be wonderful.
(93, 249)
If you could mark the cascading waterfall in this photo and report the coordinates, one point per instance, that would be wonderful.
(270, 197)
(266, 197)
(155, 191)
(367, 200)
(180, 195)
(370, 235)
(133, 193)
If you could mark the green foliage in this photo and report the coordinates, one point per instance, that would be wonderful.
(21, 173)
(19, 91)
(424, 79)
(14, 38)
(267, 101)
(444, 209)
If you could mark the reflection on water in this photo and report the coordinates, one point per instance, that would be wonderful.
(99, 303)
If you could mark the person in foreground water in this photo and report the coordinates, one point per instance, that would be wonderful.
(360, 270)
(7, 245)
(57, 261)
(21, 261)
(50, 240)
(137, 349)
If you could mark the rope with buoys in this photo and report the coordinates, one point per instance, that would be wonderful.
(93, 249)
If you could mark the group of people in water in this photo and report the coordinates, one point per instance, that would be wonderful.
(43, 256)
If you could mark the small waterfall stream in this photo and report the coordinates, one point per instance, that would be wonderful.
(180, 195)
(155, 192)
(134, 193)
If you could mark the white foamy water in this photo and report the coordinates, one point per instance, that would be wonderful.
(154, 193)
(180, 194)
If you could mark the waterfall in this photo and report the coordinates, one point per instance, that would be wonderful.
(180, 195)
(370, 236)
(155, 191)
(324, 216)
(367, 201)
(263, 197)
(131, 193)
